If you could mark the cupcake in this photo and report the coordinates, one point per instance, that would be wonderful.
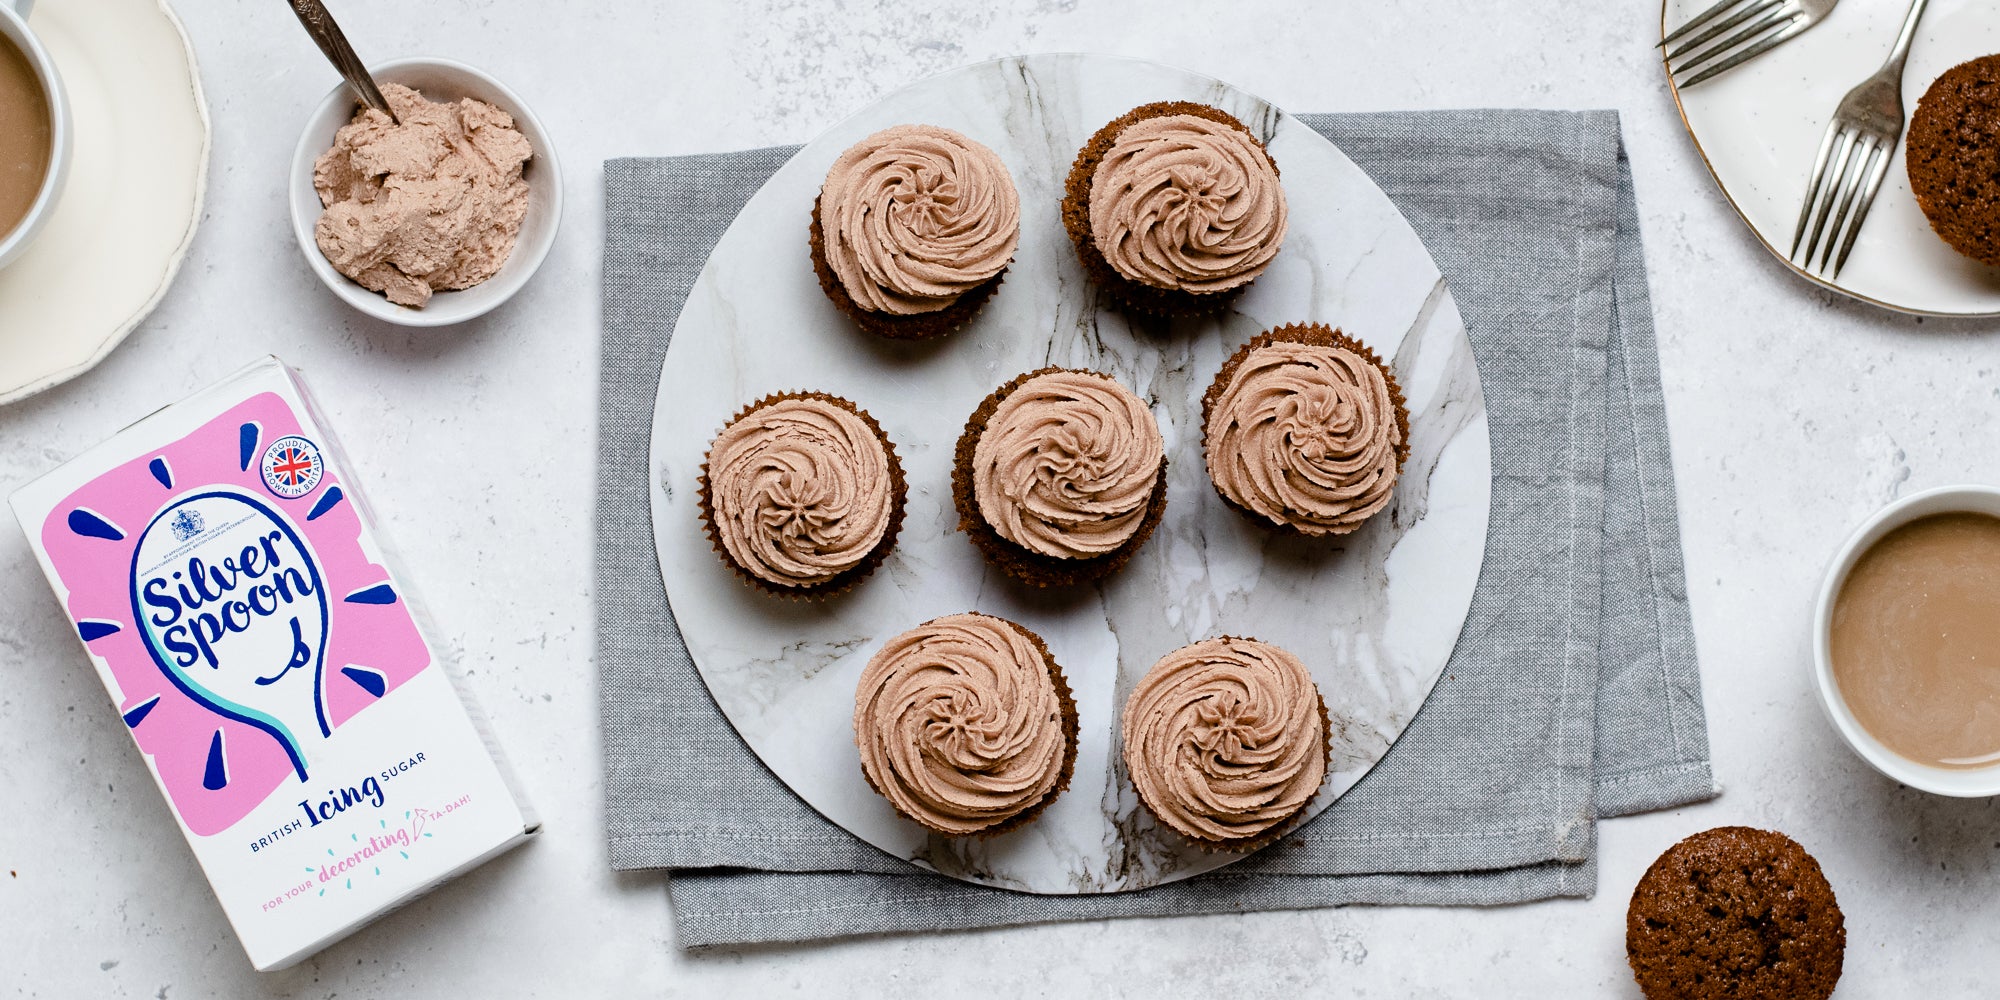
(1060, 476)
(1953, 156)
(1174, 208)
(1226, 741)
(966, 725)
(913, 229)
(1305, 430)
(1735, 912)
(802, 494)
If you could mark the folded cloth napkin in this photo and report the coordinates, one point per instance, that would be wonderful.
(1573, 692)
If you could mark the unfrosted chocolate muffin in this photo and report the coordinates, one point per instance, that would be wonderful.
(1738, 913)
(1953, 156)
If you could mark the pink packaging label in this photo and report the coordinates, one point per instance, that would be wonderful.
(223, 581)
(220, 569)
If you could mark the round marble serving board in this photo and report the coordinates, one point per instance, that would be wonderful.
(1374, 616)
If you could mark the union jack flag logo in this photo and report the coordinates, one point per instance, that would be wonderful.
(292, 467)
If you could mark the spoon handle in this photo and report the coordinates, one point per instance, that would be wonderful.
(321, 26)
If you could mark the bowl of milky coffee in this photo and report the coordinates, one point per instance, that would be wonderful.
(1906, 641)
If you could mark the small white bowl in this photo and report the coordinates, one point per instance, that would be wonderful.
(438, 80)
(1969, 783)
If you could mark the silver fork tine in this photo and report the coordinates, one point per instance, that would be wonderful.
(1883, 155)
(1812, 186)
(1697, 21)
(1848, 173)
(1832, 189)
(1864, 153)
(1749, 33)
(1798, 25)
(1723, 25)
(1732, 32)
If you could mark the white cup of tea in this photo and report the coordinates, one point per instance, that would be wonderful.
(1913, 603)
(32, 108)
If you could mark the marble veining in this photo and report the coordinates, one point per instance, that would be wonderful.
(1374, 615)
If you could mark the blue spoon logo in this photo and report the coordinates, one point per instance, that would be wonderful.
(233, 609)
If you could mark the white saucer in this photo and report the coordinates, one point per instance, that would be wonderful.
(128, 213)
(1374, 616)
(1759, 126)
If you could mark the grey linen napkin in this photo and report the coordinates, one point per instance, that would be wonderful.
(1573, 692)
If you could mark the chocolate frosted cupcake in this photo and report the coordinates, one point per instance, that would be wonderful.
(1226, 741)
(966, 725)
(1305, 430)
(802, 494)
(1953, 156)
(1735, 912)
(1175, 207)
(913, 229)
(1060, 476)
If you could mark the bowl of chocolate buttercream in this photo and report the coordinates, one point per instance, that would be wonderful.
(435, 215)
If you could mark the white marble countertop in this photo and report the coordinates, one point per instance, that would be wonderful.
(1794, 414)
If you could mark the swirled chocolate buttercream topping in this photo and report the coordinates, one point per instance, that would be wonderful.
(960, 724)
(1226, 739)
(915, 216)
(799, 490)
(1066, 465)
(1307, 435)
(1181, 202)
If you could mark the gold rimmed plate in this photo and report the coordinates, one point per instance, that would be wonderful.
(1758, 127)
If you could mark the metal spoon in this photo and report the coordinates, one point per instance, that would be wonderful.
(320, 25)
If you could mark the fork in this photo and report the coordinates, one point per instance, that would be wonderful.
(1771, 24)
(1867, 128)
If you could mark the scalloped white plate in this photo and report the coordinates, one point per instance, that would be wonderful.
(129, 211)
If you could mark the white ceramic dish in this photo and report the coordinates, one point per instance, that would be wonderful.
(138, 168)
(1374, 616)
(439, 80)
(1759, 126)
(14, 27)
(1970, 783)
